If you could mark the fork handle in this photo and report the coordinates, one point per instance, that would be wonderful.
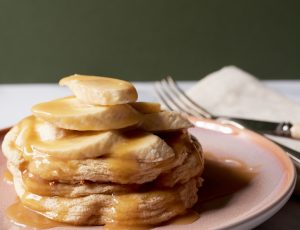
(295, 131)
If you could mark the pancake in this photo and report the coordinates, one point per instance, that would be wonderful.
(145, 208)
(35, 184)
(191, 167)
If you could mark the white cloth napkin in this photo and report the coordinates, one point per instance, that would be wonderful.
(234, 92)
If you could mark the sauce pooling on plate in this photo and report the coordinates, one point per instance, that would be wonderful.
(223, 177)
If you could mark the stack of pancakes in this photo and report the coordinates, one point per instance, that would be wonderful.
(100, 157)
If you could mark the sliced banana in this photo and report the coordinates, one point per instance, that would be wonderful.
(164, 121)
(146, 107)
(100, 90)
(133, 145)
(142, 146)
(78, 146)
(49, 132)
(70, 113)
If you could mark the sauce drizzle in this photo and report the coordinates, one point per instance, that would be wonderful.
(7, 177)
(22, 216)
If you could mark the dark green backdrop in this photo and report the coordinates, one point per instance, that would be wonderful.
(40, 41)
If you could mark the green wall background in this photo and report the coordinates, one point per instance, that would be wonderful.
(41, 41)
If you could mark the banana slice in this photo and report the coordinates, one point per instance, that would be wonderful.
(100, 90)
(70, 113)
(142, 146)
(164, 121)
(77, 146)
(49, 132)
(146, 107)
(135, 145)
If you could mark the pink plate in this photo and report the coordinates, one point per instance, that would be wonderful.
(269, 189)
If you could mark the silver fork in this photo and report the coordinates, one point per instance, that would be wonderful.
(174, 98)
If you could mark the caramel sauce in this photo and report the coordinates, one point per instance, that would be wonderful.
(124, 227)
(189, 217)
(222, 179)
(22, 216)
(126, 207)
(7, 177)
(36, 184)
(69, 104)
(52, 169)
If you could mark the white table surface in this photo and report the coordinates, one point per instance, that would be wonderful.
(17, 99)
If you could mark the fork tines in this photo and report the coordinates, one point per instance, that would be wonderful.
(174, 98)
